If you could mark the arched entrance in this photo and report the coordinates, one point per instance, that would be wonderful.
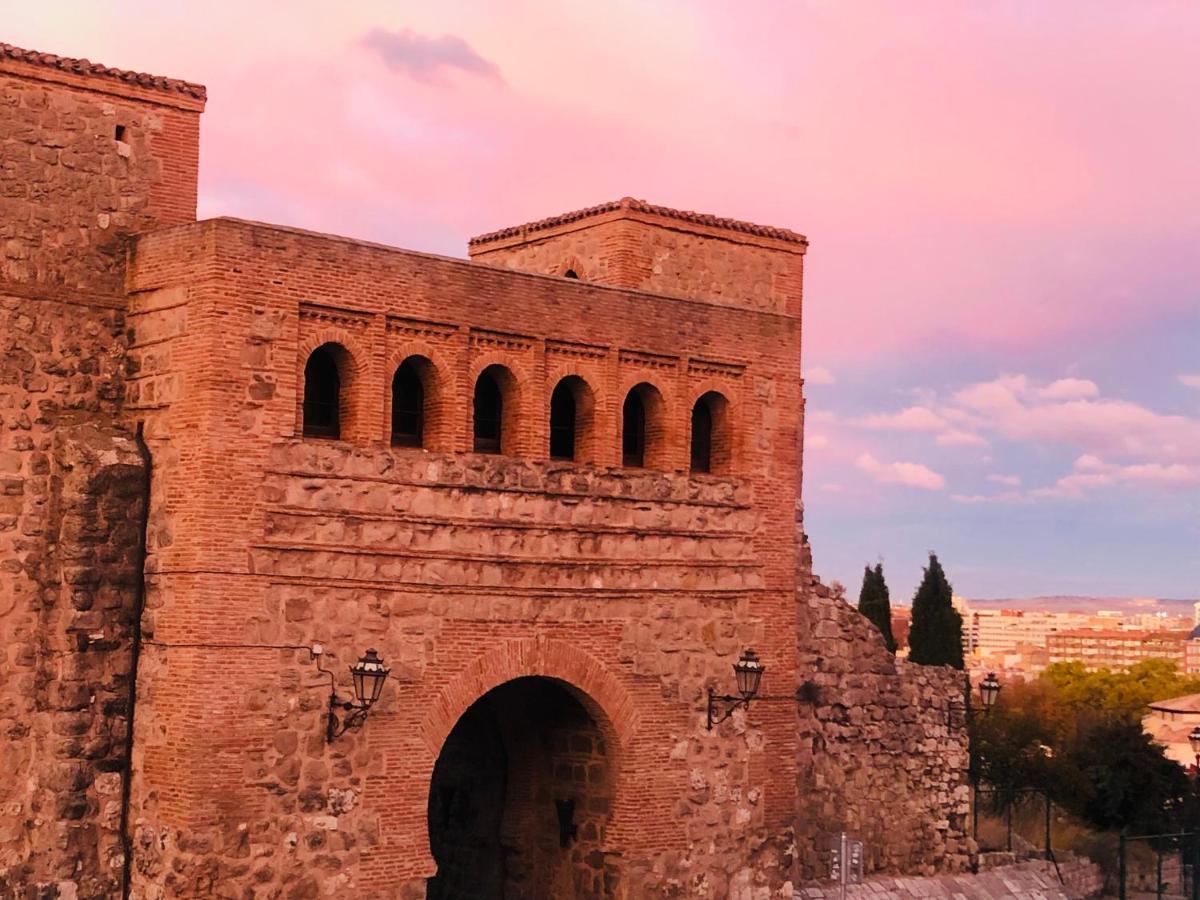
(521, 796)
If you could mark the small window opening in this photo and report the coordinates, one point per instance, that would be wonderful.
(488, 411)
(408, 406)
(633, 431)
(562, 422)
(119, 134)
(702, 424)
(570, 273)
(322, 389)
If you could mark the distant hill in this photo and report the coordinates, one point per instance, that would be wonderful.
(1170, 605)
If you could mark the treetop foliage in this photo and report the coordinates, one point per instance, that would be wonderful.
(874, 602)
(935, 638)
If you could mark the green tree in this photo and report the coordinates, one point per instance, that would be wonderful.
(936, 635)
(875, 603)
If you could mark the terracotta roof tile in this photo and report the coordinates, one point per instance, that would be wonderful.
(780, 234)
(84, 67)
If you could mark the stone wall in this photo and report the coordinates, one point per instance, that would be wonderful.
(86, 162)
(883, 746)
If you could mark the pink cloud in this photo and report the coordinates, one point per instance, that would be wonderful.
(914, 418)
(819, 375)
(905, 473)
(1192, 381)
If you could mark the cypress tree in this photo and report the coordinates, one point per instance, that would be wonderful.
(875, 603)
(936, 635)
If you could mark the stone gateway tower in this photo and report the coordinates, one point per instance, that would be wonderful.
(555, 486)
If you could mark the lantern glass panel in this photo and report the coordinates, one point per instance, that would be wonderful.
(368, 675)
(1194, 739)
(989, 690)
(748, 672)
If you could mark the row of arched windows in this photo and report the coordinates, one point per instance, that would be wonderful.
(572, 409)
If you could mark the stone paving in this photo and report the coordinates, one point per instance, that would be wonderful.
(1025, 881)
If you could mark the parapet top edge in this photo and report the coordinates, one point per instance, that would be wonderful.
(636, 205)
(86, 68)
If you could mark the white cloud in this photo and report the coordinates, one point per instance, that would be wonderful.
(1192, 381)
(906, 473)
(1013, 409)
(914, 418)
(1092, 472)
(1010, 480)
(957, 438)
(818, 375)
(1069, 389)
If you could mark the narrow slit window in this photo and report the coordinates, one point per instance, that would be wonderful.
(702, 426)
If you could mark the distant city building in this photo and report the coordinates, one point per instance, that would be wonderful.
(1116, 649)
(1170, 722)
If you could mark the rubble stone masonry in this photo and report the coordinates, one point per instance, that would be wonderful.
(552, 624)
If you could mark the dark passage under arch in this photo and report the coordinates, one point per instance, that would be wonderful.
(520, 798)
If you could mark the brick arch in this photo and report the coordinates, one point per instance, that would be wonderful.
(597, 689)
(354, 407)
(659, 406)
(726, 447)
(517, 428)
(441, 394)
(587, 441)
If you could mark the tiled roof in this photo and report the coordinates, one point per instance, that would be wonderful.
(84, 67)
(1188, 703)
(780, 234)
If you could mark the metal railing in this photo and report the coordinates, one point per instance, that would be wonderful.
(1003, 801)
(1175, 868)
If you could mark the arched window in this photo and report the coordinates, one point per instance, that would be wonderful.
(642, 432)
(494, 407)
(562, 421)
(572, 411)
(633, 431)
(711, 438)
(323, 392)
(408, 404)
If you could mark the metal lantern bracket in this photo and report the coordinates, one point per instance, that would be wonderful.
(989, 692)
(367, 676)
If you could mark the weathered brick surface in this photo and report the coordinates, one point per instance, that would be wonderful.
(623, 593)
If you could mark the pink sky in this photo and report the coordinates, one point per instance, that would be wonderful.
(992, 191)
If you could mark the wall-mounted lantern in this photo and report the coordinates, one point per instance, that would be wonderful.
(989, 692)
(747, 673)
(1194, 740)
(367, 676)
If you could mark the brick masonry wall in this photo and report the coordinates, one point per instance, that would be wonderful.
(71, 195)
(879, 734)
(635, 588)
(633, 249)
